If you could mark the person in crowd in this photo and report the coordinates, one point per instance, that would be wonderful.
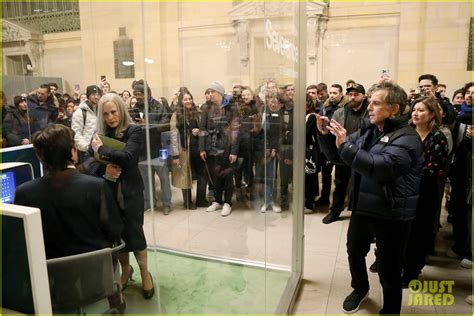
(336, 100)
(71, 225)
(459, 179)
(272, 133)
(186, 121)
(322, 92)
(82, 97)
(120, 167)
(207, 102)
(458, 99)
(126, 95)
(219, 145)
(158, 116)
(53, 87)
(66, 97)
(5, 106)
(131, 102)
(105, 86)
(385, 156)
(42, 109)
(441, 90)
(349, 83)
(312, 159)
(285, 153)
(63, 117)
(16, 125)
(426, 117)
(350, 117)
(244, 170)
(84, 120)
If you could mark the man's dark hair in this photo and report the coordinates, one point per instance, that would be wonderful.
(288, 85)
(395, 94)
(46, 86)
(53, 146)
(322, 86)
(432, 78)
(141, 88)
(458, 91)
(466, 87)
(442, 85)
(18, 99)
(313, 86)
(337, 86)
(53, 84)
(350, 81)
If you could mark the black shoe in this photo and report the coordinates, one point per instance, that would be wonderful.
(352, 302)
(373, 267)
(202, 204)
(331, 217)
(321, 202)
(129, 277)
(147, 294)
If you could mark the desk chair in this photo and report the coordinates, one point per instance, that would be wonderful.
(79, 280)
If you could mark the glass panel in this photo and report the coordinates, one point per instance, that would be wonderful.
(210, 85)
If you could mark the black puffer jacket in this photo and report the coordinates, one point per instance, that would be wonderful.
(385, 169)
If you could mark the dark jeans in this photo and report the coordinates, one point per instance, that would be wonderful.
(311, 189)
(286, 176)
(199, 171)
(341, 182)
(326, 170)
(391, 238)
(222, 174)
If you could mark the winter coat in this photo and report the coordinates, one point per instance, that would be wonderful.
(16, 127)
(386, 169)
(41, 115)
(83, 130)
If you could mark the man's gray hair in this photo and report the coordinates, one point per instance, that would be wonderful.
(395, 94)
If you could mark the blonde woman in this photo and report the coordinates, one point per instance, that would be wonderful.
(113, 121)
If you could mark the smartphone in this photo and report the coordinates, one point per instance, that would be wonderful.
(385, 73)
(103, 78)
(77, 87)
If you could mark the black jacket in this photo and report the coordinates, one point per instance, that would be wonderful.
(385, 169)
(82, 215)
(219, 130)
(16, 127)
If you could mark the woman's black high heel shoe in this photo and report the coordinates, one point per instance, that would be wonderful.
(147, 294)
(129, 277)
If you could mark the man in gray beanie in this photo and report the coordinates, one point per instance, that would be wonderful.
(219, 145)
(218, 87)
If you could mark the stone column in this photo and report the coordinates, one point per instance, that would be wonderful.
(312, 48)
(322, 27)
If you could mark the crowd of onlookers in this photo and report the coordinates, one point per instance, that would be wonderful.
(240, 141)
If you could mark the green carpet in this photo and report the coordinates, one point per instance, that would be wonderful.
(198, 286)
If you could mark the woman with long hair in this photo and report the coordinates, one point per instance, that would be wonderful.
(185, 120)
(426, 118)
(121, 167)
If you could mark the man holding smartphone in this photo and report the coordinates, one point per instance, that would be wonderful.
(350, 117)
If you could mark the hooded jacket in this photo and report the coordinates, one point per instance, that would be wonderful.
(84, 129)
(386, 168)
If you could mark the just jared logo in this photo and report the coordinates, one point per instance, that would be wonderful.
(431, 293)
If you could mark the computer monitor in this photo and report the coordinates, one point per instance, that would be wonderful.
(24, 153)
(25, 285)
(13, 174)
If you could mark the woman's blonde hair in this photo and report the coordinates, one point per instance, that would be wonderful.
(122, 108)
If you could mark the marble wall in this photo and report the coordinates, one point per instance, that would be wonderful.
(193, 43)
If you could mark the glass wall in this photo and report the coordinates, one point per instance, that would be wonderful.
(217, 91)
